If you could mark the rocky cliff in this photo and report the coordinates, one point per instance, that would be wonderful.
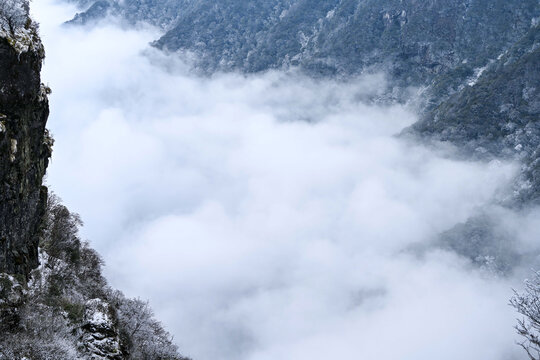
(54, 301)
(25, 148)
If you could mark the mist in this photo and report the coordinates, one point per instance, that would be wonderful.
(272, 215)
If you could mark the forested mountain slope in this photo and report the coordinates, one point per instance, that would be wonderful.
(497, 114)
(413, 40)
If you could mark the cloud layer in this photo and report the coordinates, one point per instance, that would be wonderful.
(269, 216)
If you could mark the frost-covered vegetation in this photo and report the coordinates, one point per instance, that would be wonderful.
(17, 27)
(14, 14)
(527, 304)
(67, 310)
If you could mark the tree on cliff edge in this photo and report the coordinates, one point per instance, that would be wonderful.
(14, 14)
(527, 303)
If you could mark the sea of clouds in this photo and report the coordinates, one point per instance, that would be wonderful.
(271, 216)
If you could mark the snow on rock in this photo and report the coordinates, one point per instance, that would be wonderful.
(477, 74)
(11, 291)
(17, 27)
(100, 336)
(23, 40)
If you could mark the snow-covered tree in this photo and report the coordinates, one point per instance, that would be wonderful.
(527, 303)
(142, 334)
(68, 312)
(14, 14)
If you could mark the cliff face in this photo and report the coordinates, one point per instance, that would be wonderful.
(54, 301)
(25, 148)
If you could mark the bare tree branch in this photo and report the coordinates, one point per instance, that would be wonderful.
(527, 304)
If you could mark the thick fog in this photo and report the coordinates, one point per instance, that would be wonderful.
(271, 216)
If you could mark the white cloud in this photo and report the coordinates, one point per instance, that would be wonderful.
(268, 216)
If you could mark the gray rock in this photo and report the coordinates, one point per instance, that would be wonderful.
(100, 337)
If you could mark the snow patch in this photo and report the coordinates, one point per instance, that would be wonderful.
(477, 74)
(13, 150)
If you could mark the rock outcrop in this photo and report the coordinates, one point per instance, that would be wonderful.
(25, 148)
(99, 333)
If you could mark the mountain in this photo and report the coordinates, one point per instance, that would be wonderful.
(476, 60)
(414, 41)
(54, 301)
(160, 13)
(497, 114)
